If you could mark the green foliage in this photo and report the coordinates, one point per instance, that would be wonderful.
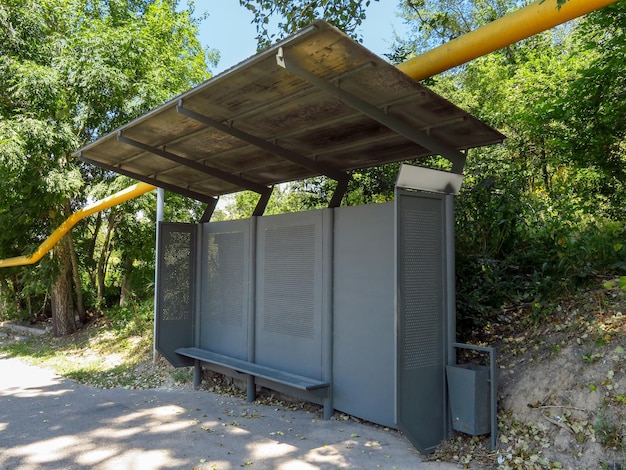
(435, 22)
(134, 319)
(73, 71)
(610, 434)
(291, 16)
(542, 212)
(594, 104)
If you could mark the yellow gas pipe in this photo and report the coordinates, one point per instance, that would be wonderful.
(525, 22)
(117, 198)
(521, 24)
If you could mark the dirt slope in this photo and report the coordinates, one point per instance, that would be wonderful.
(562, 387)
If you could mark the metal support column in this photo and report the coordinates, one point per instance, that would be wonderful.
(327, 306)
(159, 218)
(250, 385)
(450, 277)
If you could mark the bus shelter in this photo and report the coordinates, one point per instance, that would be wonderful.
(349, 307)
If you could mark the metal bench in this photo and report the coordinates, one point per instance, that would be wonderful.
(252, 370)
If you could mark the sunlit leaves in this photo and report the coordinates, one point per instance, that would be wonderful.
(276, 19)
(596, 101)
(434, 22)
(70, 72)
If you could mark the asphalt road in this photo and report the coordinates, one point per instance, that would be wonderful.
(47, 422)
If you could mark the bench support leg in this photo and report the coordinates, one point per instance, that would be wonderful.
(197, 374)
(328, 408)
(250, 389)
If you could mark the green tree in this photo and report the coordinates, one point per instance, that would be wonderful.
(435, 22)
(594, 105)
(276, 19)
(73, 71)
(541, 212)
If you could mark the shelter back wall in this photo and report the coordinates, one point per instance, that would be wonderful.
(264, 291)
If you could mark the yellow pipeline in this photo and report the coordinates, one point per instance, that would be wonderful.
(521, 24)
(117, 198)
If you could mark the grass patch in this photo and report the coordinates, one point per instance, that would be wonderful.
(102, 354)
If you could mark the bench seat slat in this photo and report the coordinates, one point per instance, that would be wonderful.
(257, 370)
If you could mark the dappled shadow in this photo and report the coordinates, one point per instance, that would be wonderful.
(47, 422)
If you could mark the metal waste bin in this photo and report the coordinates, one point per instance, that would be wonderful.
(472, 392)
(468, 387)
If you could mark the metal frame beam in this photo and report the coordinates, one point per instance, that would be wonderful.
(151, 180)
(431, 143)
(263, 144)
(233, 179)
(261, 205)
(208, 211)
(339, 192)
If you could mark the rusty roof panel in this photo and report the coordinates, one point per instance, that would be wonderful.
(265, 124)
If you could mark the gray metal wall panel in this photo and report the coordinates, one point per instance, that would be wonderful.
(226, 265)
(174, 326)
(289, 293)
(364, 313)
(421, 318)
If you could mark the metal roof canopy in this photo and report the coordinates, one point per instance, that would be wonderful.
(317, 103)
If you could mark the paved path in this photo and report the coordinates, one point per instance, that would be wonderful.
(47, 422)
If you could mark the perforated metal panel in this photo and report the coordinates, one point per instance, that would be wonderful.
(226, 278)
(225, 288)
(289, 292)
(175, 299)
(422, 281)
(421, 318)
(289, 274)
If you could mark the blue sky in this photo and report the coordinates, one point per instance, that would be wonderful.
(229, 30)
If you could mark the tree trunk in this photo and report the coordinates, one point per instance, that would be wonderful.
(63, 321)
(78, 285)
(104, 255)
(3, 303)
(125, 291)
(91, 265)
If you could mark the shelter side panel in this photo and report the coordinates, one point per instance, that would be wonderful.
(225, 288)
(364, 383)
(289, 293)
(175, 290)
(421, 319)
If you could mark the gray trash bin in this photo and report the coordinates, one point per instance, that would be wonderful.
(469, 392)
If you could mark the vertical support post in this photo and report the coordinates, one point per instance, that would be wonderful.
(250, 385)
(197, 374)
(328, 302)
(199, 278)
(493, 392)
(159, 218)
(450, 277)
(450, 293)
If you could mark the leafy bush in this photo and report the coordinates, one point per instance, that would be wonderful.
(515, 247)
(136, 318)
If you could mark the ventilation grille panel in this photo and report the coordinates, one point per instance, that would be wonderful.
(176, 276)
(422, 264)
(289, 275)
(226, 296)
